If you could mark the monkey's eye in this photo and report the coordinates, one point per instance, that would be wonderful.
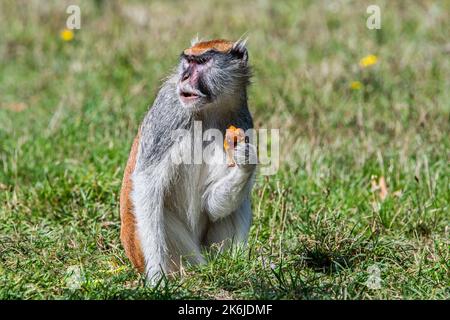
(196, 59)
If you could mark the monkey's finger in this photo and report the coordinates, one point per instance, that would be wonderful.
(246, 153)
(230, 158)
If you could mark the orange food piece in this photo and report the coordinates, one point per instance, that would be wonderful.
(233, 136)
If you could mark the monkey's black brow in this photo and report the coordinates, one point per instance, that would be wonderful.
(199, 58)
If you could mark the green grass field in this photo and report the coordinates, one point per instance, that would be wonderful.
(322, 226)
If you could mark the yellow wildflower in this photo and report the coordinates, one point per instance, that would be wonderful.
(116, 270)
(66, 35)
(355, 85)
(368, 61)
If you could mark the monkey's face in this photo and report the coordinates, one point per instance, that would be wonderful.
(212, 73)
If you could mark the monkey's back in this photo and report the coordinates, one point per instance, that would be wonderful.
(128, 232)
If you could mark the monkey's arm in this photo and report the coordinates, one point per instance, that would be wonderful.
(225, 195)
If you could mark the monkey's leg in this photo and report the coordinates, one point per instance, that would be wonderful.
(148, 201)
(183, 245)
(232, 229)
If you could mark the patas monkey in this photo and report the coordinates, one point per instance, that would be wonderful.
(171, 211)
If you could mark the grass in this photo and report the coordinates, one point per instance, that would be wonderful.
(69, 111)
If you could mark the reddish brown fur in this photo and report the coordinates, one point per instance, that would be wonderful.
(128, 232)
(202, 47)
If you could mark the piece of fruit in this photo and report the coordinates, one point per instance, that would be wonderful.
(233, 136)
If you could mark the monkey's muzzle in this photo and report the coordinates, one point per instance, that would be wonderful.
(189, 95)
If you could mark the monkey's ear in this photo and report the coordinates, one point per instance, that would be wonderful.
(239, 49)
(195, 40)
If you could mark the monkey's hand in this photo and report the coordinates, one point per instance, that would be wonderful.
(237, 150)
(226, 194)
(245, 156)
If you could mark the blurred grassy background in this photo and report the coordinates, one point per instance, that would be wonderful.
(69, 111)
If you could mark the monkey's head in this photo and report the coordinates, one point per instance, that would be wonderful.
(213, 73)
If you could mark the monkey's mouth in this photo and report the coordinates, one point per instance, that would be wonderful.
(187, 95)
